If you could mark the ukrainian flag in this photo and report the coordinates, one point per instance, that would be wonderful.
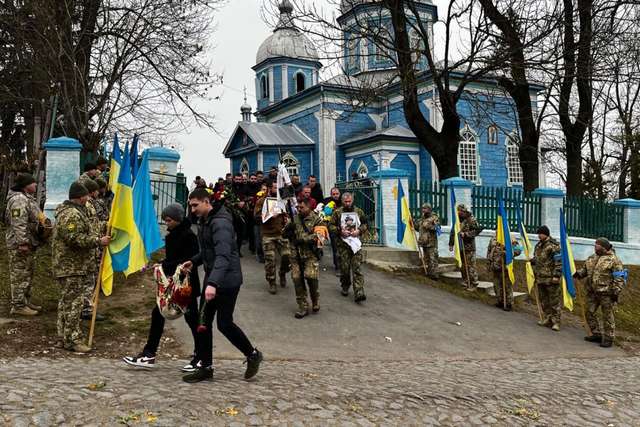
(122, 226)
(526, 243)
(147, 238)
(503, 236)
(568, 265)
(134, 157)
(114, 167)
(406, 235)
(455, 229)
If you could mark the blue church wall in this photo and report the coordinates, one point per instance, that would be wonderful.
(237, 143)
(271, 158)
(252, 159)
(403, 162)
(396, 112)
(277, 83)
(351, 124)
(292, 70)
(425, 165)
(307, 122)
(367, 159)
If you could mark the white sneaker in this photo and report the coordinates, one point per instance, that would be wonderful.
(140, 361)
(191, 366)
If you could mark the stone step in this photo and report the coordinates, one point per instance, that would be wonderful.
(447, 268)
(395, 266)
(392, 255)
(453, 275)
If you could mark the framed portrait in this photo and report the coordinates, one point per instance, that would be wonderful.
(349, 221)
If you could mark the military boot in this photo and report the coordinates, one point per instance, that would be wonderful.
(594, 338)
(33, 306)
(315, 295)
(273, 289)
(303, 310)
(555, 327)
(606, 342)
(80, 348)
(544, 322)
(283, 280)
(23, 311)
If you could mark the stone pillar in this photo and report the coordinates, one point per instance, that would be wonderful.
(631, 219)
(163, 169)
(552, 200)
(63, 168)
(462, 189)
(388, 203)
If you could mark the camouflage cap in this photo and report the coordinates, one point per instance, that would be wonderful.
(427, 206)
(91, 185)
(101, 183)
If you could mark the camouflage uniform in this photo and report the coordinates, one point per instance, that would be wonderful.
(272, 244)
(496, 259)
(349, 262)
(602, 289)
(428, 240)
(304, 259)
(74, 244)
(470, 228)
(84, 178)
(90, 284)
(547, 267)
(22, 216)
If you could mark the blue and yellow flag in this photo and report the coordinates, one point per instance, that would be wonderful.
(116, 162)
(133, 156)
(526, 243)
(122, 227)
(503, 236)
(455, 229)
(406, 234)
(147, 238)
(568, 265)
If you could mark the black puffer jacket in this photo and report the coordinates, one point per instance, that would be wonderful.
(218, 249)
(181, 244)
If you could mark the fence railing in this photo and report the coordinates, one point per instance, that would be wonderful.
(367, 196)
(593, 218)
(168, 189)
(428, 192)
(485, 207)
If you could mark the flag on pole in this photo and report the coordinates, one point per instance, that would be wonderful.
(147, 238)
(134, 158)
(122, 226)
(526, 243)
(503, 236)
(405, 234)
(116, 162)
(568, 265)
(455, 229)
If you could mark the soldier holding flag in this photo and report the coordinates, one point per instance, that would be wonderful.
(547, 267)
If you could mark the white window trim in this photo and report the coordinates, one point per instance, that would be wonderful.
(474, 135)
(511, 141)
(295, 80)
(244, 166)
(291, 163)
(492, 135)
(363, 170)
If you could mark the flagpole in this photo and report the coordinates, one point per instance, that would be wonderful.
(466, 264)
(535, 288)
(504, 284)
(96, 291)
(587, 328)
(420, 252)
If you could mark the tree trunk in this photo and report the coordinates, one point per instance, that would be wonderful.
(574, 165)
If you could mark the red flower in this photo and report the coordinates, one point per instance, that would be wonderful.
(201, 329)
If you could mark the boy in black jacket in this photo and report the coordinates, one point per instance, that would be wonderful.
(181, 244)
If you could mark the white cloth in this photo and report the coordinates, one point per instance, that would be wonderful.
(354, 243)
(283, 181)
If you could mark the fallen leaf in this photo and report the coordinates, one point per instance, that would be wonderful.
(150, 417)
(97, 386)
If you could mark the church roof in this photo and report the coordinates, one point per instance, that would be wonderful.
(270, 134)
(287, 40)
(393, 132)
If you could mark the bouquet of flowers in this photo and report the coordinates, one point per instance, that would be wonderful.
(173, 294)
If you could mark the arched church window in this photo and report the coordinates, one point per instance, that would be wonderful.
(468, 155)
(363, 170)
(513, 160)
(264, 86)
(492, 134)
(244, 166)
(300, 82)
(291, 163)
(352, 53)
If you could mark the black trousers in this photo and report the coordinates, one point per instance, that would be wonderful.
(157, 327)
(222, 305)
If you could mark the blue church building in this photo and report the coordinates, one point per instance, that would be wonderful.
(314, 125)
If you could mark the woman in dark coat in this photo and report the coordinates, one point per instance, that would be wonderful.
(181, 244)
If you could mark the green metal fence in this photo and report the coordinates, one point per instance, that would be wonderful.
(485, 206)
(367, 196)
(168, 189)
(593, 218)
(428, 192)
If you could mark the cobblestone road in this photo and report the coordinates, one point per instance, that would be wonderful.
(580, 392)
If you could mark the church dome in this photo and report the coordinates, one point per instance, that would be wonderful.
(287, 40)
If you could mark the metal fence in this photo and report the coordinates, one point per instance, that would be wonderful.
(593, 218)
(428, 192)
(485, 206)
(168, 189)
(367, 196)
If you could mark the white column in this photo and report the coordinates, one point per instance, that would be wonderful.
(327, 148)
(631, 227)
(272, 84)
(63, 168)
(260, 160)
(551, 201)
(285, 82)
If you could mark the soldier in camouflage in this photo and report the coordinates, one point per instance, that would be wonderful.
(349, 260)
(305, 257)
(22, 216)
(469, 229)
(429, 226)
(273, 243)
(605, 277)
(98, 228)
(547, 267)
(100, 202)
(90, 173)
(74, 244)
(496, 256)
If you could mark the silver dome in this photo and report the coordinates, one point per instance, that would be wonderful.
(286, 40)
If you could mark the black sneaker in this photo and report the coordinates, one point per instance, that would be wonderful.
(200, 374)
(191, 366)
(140, 361)
(344, 292)
(253, 364)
